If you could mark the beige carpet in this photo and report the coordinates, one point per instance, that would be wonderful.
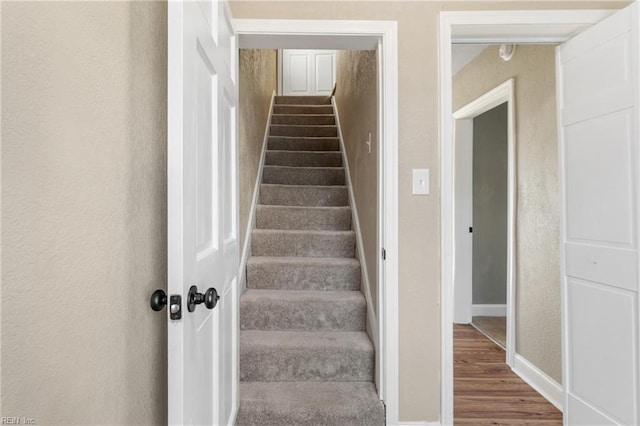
(305, 356)
(493, 327)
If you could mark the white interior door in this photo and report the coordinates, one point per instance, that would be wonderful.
(308, 72)
(598, 109)
(202, 214)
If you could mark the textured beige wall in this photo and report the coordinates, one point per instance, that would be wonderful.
(84, 194)
(357, 100)
(538, 192)
(258, 79)
(83, 211)
(418, 145)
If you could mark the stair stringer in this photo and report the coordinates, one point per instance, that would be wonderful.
(372, 320)
(251, 223)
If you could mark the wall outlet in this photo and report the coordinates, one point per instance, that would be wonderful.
(420, 181)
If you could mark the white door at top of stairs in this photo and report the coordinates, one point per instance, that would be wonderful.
(308, 72)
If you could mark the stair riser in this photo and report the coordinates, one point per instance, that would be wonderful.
(335, 219)
(302, 176)
(303, 131)
(281, 276)
(303, 100)
(287, 243)
(282, 364)
(269, 314)
(302, 109)
(302, 404)
(303, 144)
(303, 196)
(304, 119)
(303, 159)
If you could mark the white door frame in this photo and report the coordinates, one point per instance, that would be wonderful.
(544, 26)
(382, 35)
(464, 116)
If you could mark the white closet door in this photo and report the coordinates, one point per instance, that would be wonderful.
(308, 72)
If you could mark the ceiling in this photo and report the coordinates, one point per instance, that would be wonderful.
(462, 54)
(311, 41)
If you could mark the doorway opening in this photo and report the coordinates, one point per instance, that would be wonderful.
(513, 236)
(530, 27)
(360, 35)
(485, 194)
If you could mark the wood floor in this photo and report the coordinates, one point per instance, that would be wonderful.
(487, 392)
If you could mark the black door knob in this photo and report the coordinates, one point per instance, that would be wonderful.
(209, 298)
(158, 300)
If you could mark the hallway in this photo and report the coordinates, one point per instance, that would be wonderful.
(487, 392)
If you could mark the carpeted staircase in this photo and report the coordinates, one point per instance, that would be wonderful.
(305, 358)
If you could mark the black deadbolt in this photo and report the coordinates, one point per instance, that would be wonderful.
(209, 298)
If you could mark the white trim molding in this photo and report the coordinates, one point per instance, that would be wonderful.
(482, 310)
(251, 223)
(539, 380)
(419, 424)
(327, 34)
(536, 26)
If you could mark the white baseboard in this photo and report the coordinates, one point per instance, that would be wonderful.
(364, 282)
(539, 380)
(246, 248)
(489, 310)
(419, 424)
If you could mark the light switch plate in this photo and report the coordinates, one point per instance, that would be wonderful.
(420, 181)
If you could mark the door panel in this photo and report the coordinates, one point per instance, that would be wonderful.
(598, 108)
(583, 414)
(615, 267)
(206, 158)
(603, 377)
(613, 82)
(202, 246)
(599, 155)
(325, 77)
(297, 74)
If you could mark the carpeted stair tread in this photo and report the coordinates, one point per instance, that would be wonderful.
(302, 109)
(304, 119)
(290, 356)
(284, 175)
(309, 404)
(304, 158)
(303, 100)
(304, 131)
(303, 195)
(303, 217)
(303, 273)
(270, 242)
(292, 143)
(302, 310)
